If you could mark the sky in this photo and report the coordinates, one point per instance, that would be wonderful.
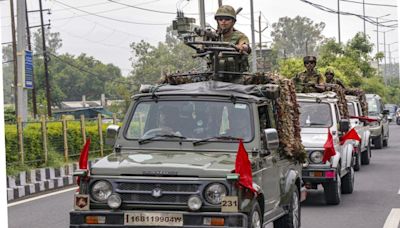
(104, 29)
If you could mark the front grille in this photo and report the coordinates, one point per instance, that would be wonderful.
(164, 187)
(168, 193)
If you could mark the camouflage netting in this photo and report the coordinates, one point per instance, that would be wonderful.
(341, 95)
(288, 125)
(288, 112)
(360, 94)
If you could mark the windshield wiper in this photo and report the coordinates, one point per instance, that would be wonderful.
(141, 141)
(314, 123)
(227, 137)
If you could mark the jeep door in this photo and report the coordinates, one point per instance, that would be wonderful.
(268, 167)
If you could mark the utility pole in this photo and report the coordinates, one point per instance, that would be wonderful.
(377, 37)
(22, 100)
(28, 33)
(253, 38)
(338, 15)
(202, 14)
(45, 59)
(14, 46)
(364, 19)
(219, 3)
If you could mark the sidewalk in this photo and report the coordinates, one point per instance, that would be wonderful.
(40, 180)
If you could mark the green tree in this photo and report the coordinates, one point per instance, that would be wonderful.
(296, 37)
(150, 62)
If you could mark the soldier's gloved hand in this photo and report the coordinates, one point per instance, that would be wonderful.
(242, 48)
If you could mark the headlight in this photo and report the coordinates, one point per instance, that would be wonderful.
(316, 157)
(194, 203)
(114, 201)
(214, 193)
(101, 190)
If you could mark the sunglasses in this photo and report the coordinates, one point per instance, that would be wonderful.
(329, 74)
(224, 19)
(307, 62)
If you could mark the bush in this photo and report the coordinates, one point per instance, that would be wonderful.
(34, 156)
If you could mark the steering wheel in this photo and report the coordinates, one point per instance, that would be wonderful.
(158, 131)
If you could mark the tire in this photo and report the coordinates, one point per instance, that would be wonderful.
(386, 141)
(293, 217)
(333, 191)
(398, 120)
(378, 142)
(255, 217)
(357, 165)
(348, 182)
(366, 155)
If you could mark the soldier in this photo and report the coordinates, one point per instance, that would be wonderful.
(226, 18)
(330, 78)
(307, 81)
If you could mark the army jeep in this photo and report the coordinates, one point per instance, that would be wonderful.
(362, 149)
(320, 114)
(174, 160)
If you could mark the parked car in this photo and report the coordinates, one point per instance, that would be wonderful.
(392, 111)
(363, 148)
(319, 115)
(398, 116)
(174, 160)
(380, 128)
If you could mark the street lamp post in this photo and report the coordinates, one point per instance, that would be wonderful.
(384, 51)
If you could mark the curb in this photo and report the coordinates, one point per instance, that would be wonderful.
(40, 180)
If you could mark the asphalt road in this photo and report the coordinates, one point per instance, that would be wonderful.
(376, 193)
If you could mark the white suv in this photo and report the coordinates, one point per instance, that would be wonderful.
(319, 114)
(362, 149)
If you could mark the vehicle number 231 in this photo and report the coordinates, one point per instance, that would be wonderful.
(229, 204)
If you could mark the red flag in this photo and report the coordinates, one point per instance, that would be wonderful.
(83, 159)
(352, 134)
(329, 148)
(243, 168)
(364, 118)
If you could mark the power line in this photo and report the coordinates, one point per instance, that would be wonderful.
(109, 18)
(369, 19)
(371, 4)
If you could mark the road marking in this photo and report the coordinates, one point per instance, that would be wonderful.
(393, 220)
(41, 196)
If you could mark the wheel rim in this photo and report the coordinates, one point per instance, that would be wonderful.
(255, 220)
(295, 210)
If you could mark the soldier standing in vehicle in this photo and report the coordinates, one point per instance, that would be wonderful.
(307, 81)
(330, 78)
(226, 19)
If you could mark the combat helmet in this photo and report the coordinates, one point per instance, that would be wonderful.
(309, 58)
(225, 11)
(329, 70)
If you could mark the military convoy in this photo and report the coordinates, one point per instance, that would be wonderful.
(175, 157)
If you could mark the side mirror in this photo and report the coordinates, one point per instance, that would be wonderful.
(385, 112)
(271, 139)
(111, 134)
(344, 125)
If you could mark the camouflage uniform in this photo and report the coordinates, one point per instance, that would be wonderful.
(236, 37)
(305, 81)
(333, 80)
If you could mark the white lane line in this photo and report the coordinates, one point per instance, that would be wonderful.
(41, 196)
(393, 220)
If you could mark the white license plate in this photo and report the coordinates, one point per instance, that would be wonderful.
(153, 219)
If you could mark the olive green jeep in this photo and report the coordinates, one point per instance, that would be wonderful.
(173, 163)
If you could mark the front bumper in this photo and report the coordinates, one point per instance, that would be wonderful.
(318, 175)
(375, 131)
(115, 219)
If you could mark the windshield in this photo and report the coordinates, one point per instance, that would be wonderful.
(373, 107)
(350, 107)
(193, 120)
(316, 115)
(391, 108)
